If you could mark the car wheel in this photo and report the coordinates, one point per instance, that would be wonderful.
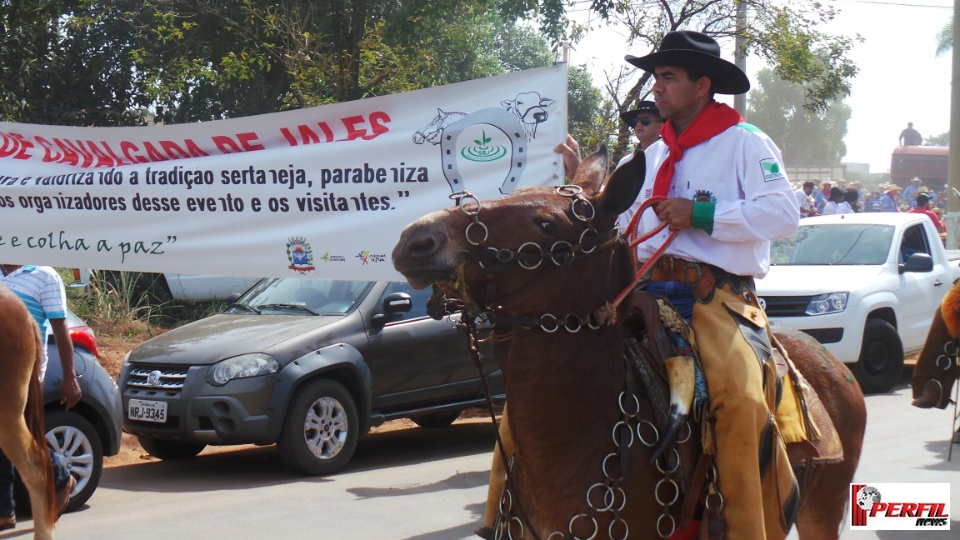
(77, 444)
(320, 430)
(170, 450)
(436, 421)
(881, 357)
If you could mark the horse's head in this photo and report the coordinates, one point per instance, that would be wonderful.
(538, 248)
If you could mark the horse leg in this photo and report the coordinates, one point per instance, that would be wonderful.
(825, 494)
(27, 457)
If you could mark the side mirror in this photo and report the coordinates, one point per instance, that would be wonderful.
(232, 299)
(398, 302)
(918, 262)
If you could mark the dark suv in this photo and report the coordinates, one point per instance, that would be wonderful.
(308, 364)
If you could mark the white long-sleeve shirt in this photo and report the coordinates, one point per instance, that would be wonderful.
(741, 170)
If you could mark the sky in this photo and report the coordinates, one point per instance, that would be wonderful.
(900, 80)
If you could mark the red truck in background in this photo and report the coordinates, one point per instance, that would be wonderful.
(929, 163)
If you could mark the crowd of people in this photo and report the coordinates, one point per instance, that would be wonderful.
(838, 197)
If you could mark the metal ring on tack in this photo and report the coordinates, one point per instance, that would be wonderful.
(594, 322)
(623, 498)
(582, 201)
(616, 440)
(656, 434)
(486, 233)
(466, 198)
(706, 500)
(569, 190)
(553, 252)
(656, 491)
(636, 404)
(673, 526)
(583, 236)
(626, 530)
(596, 526)
(950, 347)
(572, 324)
(510, 529)
(949, 362)
(689, 434)
(520, 252)
(604, 466)
(605, 497)
(676, 462)
(506, 501)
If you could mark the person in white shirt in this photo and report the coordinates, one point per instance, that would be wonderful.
(805, 199)
(723, 188)
(836, 204)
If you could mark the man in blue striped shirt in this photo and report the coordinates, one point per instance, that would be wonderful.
(41, 289)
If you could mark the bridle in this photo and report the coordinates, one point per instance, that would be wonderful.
(533, 256)
(608, 495)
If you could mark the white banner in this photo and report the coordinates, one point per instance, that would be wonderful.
(321, 192)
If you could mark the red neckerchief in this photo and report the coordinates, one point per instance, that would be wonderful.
(713, 120)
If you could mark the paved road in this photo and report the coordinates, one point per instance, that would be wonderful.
(415, 484)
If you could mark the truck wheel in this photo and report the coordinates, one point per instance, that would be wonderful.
(881, 358)
(77, 444)
(170, 450)
(320, 430)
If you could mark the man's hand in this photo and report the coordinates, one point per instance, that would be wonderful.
(676, 212)
(69, 391)
(570, 150)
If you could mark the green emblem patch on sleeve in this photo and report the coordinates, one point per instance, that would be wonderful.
(772, 169)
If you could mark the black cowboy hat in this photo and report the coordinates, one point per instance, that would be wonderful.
(630, 117)
(689, 49)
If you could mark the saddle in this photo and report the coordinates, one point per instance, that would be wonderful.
(808, 431)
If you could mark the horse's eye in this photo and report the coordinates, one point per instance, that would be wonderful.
(547, 228)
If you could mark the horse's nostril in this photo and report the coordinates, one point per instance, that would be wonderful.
(425, 245)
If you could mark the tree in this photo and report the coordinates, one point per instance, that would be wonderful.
(805, 138)
(942, 139)
(786, 36)
(945, 38)
(206, 59)
(65, 62)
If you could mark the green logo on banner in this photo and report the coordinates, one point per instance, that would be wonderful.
(483, 151)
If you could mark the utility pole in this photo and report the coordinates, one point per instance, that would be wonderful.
(953, 174)
(740, 60)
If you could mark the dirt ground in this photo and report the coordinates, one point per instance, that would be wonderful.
(113, 347)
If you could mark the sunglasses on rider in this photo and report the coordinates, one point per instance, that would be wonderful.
(644, 121)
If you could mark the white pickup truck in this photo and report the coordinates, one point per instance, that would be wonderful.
(865, 285)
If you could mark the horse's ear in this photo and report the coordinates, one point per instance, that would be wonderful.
(623, 186)
(592, 171)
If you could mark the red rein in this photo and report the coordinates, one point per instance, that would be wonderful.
(631, 234)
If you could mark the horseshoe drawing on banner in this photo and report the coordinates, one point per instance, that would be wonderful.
(501, 119)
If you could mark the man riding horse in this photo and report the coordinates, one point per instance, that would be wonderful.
(720, 183)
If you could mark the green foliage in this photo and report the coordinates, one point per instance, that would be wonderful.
(805, 138)
(942, 139)
(66, 62)
(786, 35)
(945, 38)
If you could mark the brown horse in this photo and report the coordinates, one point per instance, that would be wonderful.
(21, 409)
(550, 260)
(937, 369)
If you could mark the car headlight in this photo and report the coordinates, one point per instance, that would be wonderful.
(823, 304)
(240, 367)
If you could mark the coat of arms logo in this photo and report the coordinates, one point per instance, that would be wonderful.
(300, 254)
